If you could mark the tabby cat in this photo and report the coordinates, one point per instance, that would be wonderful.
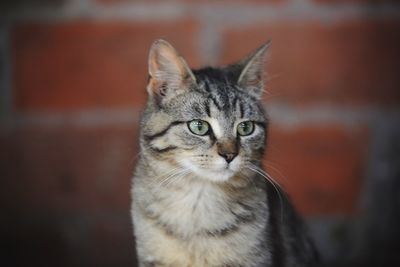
(200, 197)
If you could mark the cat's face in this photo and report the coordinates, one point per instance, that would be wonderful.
(208, 122)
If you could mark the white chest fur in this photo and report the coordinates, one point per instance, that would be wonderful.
(180, 222)
(192, 207)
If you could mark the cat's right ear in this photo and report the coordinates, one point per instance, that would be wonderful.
(251, 76)
(169, 74)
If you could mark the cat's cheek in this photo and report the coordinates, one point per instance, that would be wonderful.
(186, 163)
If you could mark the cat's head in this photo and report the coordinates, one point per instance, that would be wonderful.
(210, 121)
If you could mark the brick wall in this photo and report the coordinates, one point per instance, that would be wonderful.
(72, 85)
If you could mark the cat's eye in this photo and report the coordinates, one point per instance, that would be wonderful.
(199, 127)
(245, 128)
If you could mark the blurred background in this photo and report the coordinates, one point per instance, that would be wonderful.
(72, 84)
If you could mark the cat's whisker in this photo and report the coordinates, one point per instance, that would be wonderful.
(248, 162)
(170, 177)
(268, 175)
(267, 79)
(182, 176)
(177, 178)
(166, 175)
(270, 164)
(170, 174)
(270, 76)
(167, 181)
(271, 181)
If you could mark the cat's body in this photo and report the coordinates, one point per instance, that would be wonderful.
(200, 197)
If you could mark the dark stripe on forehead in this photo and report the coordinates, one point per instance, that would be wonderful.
(224, 97)
(197, 108)
(217, 93)
(161, 133)
(207, 87)
(214, 100)
(237, 104)
(207, 108)
(241, 109)
(234, 101)
(250, 108)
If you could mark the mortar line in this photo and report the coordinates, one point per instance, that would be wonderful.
(292, 116)
(210, 40)
(279, 114)
(6, 95)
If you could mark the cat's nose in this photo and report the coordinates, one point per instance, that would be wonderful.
(228, 156)
(228, 150)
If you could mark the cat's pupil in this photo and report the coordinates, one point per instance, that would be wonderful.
(199, 125)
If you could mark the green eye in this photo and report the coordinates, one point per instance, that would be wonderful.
(198, 127)
(245, 128)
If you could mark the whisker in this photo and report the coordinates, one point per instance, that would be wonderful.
(267, 174)
(261, 172)
(173, 177)
(270, 164)
(164, 178)
(171, 172)
(178, 177)
(248, 163)
(166, 181)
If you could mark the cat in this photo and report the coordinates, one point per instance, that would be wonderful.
(199, 194)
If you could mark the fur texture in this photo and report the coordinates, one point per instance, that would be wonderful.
(204, 200)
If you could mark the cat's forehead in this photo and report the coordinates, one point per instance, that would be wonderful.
(219, 85)
(223, 103)
(216, 95)
(217, 77)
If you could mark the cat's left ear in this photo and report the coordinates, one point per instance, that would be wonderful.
(251, 76)
(169, 73)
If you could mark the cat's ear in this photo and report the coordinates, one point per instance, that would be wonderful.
(252, 70)
(168, 71)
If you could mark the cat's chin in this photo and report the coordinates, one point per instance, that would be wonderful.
(222, 175)
(218, 176)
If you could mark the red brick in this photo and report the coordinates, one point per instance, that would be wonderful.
(68, 170)
(87, 64)
(321, 167)
(347, 62)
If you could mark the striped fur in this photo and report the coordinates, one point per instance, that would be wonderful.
(191, 207)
